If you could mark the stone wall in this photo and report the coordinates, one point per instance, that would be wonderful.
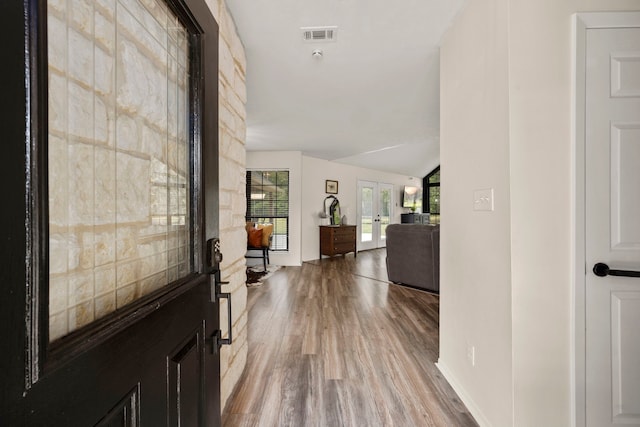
(232, 118)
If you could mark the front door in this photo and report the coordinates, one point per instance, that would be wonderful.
(613, 227)
(375, 205)
(108, 259)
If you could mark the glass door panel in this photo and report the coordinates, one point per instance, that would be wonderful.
(375, 204)
(365, 218)
(386, 211)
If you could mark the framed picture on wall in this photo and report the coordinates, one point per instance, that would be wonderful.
(331, 187)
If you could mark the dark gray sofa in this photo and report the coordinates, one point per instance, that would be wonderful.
(413, 255)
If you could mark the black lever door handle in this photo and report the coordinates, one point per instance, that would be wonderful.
(229, 339)
(602, 270)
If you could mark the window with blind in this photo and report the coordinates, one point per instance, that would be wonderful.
(268, 203)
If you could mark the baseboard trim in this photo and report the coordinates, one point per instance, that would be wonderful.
(463, 395)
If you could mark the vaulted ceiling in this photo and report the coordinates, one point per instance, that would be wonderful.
(371, 99)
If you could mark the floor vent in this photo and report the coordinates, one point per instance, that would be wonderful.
(319, 34)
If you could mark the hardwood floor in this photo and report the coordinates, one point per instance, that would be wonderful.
(332, 343)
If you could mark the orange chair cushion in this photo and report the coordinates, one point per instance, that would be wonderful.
(255, 238)
(267, 229)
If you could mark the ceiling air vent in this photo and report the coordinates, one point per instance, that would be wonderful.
(319, 34)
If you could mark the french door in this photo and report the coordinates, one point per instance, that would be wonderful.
(109, 259)
(375, 210)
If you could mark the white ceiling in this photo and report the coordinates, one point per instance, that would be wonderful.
(372, 100)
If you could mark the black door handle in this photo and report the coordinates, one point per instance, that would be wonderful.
(602, 270)
(214, 258)
(229, 339)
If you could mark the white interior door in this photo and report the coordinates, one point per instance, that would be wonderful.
(613, 226)
(375, 210)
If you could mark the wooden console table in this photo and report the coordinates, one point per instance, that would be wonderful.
(337, 240)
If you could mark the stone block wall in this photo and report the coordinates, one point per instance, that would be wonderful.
(232, 134)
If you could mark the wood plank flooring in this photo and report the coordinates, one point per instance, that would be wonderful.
(332, 343)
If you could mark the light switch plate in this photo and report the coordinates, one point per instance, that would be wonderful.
(483, 199)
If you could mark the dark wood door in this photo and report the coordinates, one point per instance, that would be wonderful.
(152, 362)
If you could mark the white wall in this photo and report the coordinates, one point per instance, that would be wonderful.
(307, 193)
(316, 171)
(475, 302)
(517, 259)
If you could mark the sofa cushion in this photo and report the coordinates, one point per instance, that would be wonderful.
(254, 237)
(267, 230)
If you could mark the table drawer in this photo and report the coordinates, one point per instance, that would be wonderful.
(344, 247)
(344, 232)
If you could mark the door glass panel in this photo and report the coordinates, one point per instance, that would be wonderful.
(385, 211)
(366, 219)
(119, 156)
